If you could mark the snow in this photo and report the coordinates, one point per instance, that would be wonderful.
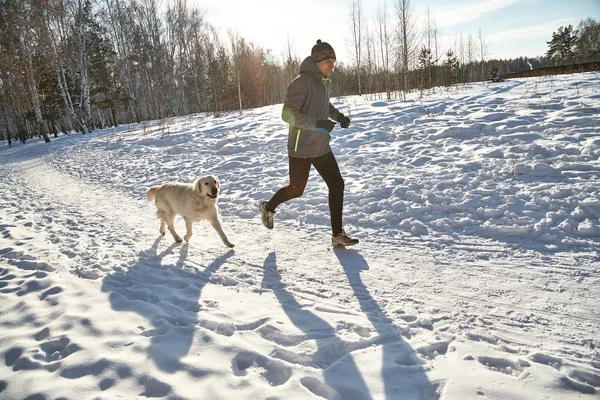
(477, 275)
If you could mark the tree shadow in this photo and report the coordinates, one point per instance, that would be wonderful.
(167, 296)
(331, 349)
(402, 373)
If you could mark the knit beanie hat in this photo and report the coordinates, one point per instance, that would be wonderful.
(322, 51)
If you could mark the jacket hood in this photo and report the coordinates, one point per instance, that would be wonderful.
(309, 66)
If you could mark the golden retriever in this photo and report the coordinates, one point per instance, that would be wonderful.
(193, 201)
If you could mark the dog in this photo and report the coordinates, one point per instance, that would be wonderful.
(193, 201)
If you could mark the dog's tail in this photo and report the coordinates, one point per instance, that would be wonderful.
(151, 193)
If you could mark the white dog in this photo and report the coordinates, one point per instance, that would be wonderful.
(193, 201)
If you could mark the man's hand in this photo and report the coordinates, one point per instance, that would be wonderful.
(325, 126)
(343, 120)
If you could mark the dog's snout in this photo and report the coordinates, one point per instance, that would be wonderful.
(214, 191)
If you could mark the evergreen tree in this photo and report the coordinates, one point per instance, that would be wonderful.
(451, 66)
(562, 46)
(426, 63)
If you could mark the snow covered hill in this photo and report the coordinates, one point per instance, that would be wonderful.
(477, 275)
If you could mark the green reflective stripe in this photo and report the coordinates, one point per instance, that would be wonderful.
(297, 140)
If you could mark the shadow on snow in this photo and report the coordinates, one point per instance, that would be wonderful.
(167, 296)
(402, 375)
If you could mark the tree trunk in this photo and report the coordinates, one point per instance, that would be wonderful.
(356, 21)
(33, 91)
(84, 88)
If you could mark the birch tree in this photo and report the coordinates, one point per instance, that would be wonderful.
(29, 19)
(470, 57)
(291, 63)
(236, 53)
(13, 93)
(356, 33)
(426, 55)
(484, 48)
(435, 31)
(384, 37)
(57, 24)
(371, 61)
(198, 37)
(120, 26)
(178, 49)
(407, 35)
(149, 48)
(82, 11)
(587, 46)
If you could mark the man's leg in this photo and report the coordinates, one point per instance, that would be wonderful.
(299, 169)
(327, 167)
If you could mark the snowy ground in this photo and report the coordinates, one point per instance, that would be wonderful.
(477, 275)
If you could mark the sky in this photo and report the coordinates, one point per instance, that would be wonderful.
(512, 28)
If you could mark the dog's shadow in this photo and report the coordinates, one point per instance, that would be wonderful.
(167, 296)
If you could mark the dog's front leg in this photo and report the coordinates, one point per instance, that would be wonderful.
(214, 221)
(188, 228)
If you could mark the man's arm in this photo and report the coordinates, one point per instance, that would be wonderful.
(334, 113)
(294, 98)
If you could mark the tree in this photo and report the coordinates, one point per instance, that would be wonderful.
(562, 46)
(83, 10)
(291, 64)
(58, 24)
(219, 69)
(196, 72)
(425, 62)
(587, 46)
(406, 34)
(176, 46)
(451, 66)
(470, 58)
(237, 44)
(149, 56)
(483, 48)
(384, 37)
(27, 25)
(120, 27)
(430, 34)
(372, 68)
(356, 31)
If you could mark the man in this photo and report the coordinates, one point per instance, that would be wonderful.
(309, 114)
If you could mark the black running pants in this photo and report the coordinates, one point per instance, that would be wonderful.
(327, 167)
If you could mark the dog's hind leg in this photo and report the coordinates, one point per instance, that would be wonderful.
(188, 228)
(171, 226)
(214, 221)
(163, 221)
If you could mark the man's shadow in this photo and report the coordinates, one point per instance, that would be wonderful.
(331, 349)
(402, 373)
(167, 296)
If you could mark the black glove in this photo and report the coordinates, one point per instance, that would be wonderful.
(325, 125)
(343, 120)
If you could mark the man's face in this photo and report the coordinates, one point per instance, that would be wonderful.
(326, 67)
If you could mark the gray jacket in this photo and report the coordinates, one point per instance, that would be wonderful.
(306, 101)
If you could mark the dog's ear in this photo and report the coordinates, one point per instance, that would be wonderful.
(198, 185)
(218, 182)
